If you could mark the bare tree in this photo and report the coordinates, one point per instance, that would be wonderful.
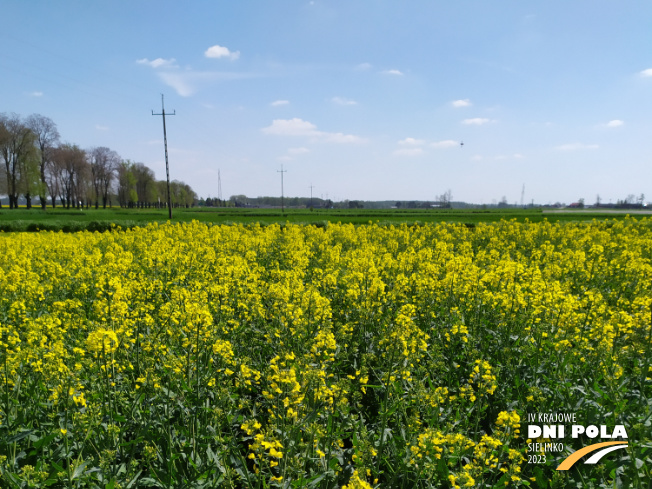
(46, 137)
(17, 151)
(109, 175)
(103, 166)
(72, 167)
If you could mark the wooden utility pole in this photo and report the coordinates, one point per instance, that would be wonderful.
(167, 166)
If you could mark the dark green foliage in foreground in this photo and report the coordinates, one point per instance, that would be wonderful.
(104, 219)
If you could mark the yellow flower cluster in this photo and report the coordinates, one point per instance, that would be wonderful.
(291, 352)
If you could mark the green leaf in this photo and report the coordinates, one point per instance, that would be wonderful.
(542, 482)
(119, 418)
(45, 441)
(18, 436)
(11, 478)
(134, 480)
(315, 482)
(79, 470)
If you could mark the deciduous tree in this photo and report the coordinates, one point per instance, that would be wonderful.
(46, 138)
(18, 151)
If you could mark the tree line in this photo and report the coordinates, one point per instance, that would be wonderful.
(38, 165)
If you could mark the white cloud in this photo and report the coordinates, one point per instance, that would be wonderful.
(576, 146)
(516, 156)
(338, 137)
(291, 127)
(393, 72)
(363, 67)
(187, 82)
(614, 123)
(647, 72)
(36, 94)
(476, 121)
(158, 63)
(278, 103)
(408, 152)
(179, 82)
(218, 51)
(299, 127)
(343, 101)
(101, 128)
(291, 153)
(447, 143)
(461, 103)
(411, 142)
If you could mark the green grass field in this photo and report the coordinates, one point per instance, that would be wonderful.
(98, 220)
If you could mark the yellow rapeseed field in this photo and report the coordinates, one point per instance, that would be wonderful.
(346, 356)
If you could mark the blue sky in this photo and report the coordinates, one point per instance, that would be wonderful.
(362, 99)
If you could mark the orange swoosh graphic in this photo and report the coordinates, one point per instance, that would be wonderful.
(574, 457)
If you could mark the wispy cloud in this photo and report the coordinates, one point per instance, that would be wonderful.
(363, 67)
(101, 128)
(647, 72)
(158, 63)
(615, 123)
(516, 156)
(186, 83)
(477, 121)
(408, 152)
(411, 142)
(218, 51)
(576, 146)
(278, 103)
(343, 101)
(461, 103)
(35, 94)
(292, 153)
(393, 72)
(447, 143)
(299, 127)
(291, 127)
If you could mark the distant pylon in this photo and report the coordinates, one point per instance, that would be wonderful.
(219, 186)
(522, 194)
(282, 171)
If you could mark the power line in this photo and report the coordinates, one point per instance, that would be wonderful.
(165, 142)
